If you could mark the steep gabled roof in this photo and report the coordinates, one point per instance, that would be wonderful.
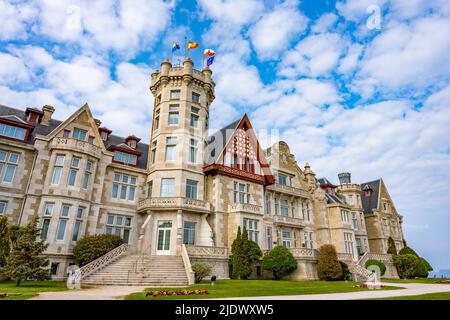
(371, 202)
(218, 140)
(335, 199)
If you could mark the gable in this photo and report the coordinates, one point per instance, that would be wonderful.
(236, 151)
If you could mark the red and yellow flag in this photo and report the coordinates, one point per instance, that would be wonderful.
(192, 45)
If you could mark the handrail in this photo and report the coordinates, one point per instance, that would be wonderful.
(363, 257)
(101, 262)
(187, 265)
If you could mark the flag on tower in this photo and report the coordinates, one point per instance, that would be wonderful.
(208, 53)
(175, 47)
(210, 61)
(192, 45)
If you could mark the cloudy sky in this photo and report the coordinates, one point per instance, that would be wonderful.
(358, 85)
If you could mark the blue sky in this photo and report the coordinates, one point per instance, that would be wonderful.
(346, 88)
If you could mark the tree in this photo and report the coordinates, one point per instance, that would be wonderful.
(244, 253)
(422, 267)
(246, 263)
(25, 260)
(89, 248)
(391, 247)
(346, 274)
(201, 270)
(280, 261)
(406, 265)
(4, 240)
(328, 266)
(253, 251)
(408, 250)
(236, 248)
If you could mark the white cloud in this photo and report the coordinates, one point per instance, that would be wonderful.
(12, 70)
(235, 12)
(356, 10)
(274, 31)
(324, 23)
(14, 19)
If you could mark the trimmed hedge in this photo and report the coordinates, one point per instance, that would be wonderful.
(408, 250)
(201, 270)
(280, 261)
(92, 247)
(377, 263)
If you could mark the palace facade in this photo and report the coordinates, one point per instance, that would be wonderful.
(180, 198)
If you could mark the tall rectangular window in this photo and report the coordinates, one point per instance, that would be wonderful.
(241, 193)
(124, 187)
(12, 131)
(269, 238)
(87, 174)
(78, 222)
(175, 94)
(268, 204)
(189, 233)
(167, 187)
(8, 165)
(119, 225)
(171, 144)
(194, 117)
(75, 163)
(44, 228)
(156, 126)
(354, 221)
(61, 229)
(57, 170)
(3, 207)
(252, 228)
(192, 151)
(149, 189)
(79, 134)
(282, 179)
(173, 115)
(348, 242)
(191, 189)
(195, 97)
(284, 205)
(154, 143)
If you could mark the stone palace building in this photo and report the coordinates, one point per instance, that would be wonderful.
(180, 198)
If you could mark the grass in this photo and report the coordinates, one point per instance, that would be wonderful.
(29, 289)
(252, 288)
(418, 280)
(428, 296)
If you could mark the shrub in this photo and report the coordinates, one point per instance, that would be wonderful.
(328, 266)
(243, 253)
(201, 270)
(425, 262)
(408, 250)
(346, 274)
(280, 261)
(406, 265)
(421, 270)
(4, 240)
(253, 251)
(92, 247)
(379, 264)
(391, 246)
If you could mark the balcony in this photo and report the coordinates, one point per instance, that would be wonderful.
(345, 257)
(245, 207)
(206, 251)
(288, 221)
(300, 253)
(75, 145)
(289, 190)
(173, 203)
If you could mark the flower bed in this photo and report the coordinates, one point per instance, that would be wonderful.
(370, 286)
(175, 292)
(443, 281)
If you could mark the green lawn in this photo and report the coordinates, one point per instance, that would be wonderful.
(419, 280)
(249, 288)
(428, 296)
(29, 289)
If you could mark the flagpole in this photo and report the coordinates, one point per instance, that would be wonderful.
(185, 47)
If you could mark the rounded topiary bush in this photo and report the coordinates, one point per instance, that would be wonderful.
(92, 247)
(201, 270)
(280, 261)
(406, 265)
(408, 250)
(379, 264)
(328, 266)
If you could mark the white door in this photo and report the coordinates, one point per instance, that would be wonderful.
(163, 241)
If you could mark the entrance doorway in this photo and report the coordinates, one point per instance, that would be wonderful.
(164, 232)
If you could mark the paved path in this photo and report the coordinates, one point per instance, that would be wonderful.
(411, 289)
(118, 292)
(95, 293)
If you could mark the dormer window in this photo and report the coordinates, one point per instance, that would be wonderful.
(12, 131)
(104, 133)
(132, 141)
(34, 115)
(104, 136)
(125, 158)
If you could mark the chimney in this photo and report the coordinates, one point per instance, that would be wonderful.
(97, 122)
(48, 111)
(345, 177)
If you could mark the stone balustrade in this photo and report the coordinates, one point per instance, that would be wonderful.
(206, 251)
(76, 145)
(288, 221)
(289, 190)
(173, 203)
(303, 253)
(246, 207)
(345, 257)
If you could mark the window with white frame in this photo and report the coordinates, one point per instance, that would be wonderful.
(361, 218)
(173, 114)
(286, 239)
(191, 189)
(57, 169)
(124, 187)
(348, 242)
(87, 174)
(308, 241)
(73, 172)
(48, 212)
(268, 204)
(8, 165)
(171, 145)
(308, 212)
(195, 97)
(149, 188)
(193, 150)
(7, 130)
(156, 126)
(167, 187)
(194, 117)
(79, 134)
(78, 223)
(104, 136)
(62, 223)
(284, 206)
(252, 228)
(284, 180)
(175, 94)
(241, 192)
(3, 205)
(189, 233)
(303, 210)
(344, 216)
(269, 239)
(359, 248)
(125, 158)
(118, 225)
(277, 206)
(354, 221)
(350, 199)
(154, 143)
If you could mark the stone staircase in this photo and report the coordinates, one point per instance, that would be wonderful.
(140, 270)
(360, 271)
